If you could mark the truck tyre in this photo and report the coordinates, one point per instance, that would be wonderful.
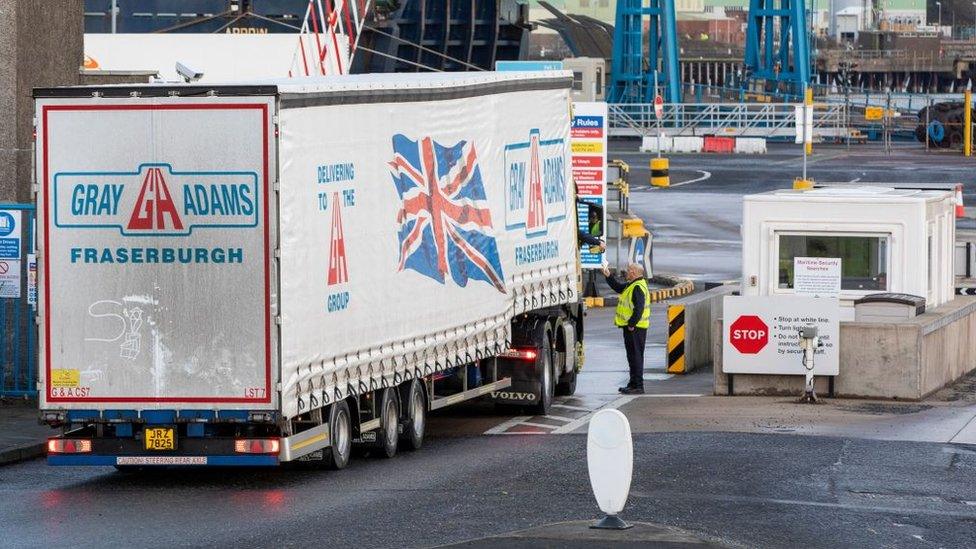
(389, 434)
(547, 384)
(340, 436)
(567, 385)
(415, 410)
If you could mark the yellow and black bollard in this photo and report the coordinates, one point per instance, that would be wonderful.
(676, 339)
(659, 172)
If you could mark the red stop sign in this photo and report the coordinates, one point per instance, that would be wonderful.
(749, 334)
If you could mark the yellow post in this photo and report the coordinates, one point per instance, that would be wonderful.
(659, 172)
(967, 124)
(808, 99)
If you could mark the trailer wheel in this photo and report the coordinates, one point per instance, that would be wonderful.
(547, 383)
(340, 436)
(415, 409)
(390, 420)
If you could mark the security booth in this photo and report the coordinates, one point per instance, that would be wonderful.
(876, 238)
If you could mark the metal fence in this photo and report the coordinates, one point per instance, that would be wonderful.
(727, 119)
(18, 293)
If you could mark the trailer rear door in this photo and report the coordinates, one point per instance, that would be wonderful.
(156, 219)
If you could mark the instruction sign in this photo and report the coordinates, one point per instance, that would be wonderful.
(804, 123)
(10, 229)
(588, 139)
(761, 334)
(816, 276)
(32, 280)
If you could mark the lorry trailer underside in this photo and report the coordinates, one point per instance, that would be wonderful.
(543, 361)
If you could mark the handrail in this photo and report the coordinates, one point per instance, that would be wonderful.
(771, 119)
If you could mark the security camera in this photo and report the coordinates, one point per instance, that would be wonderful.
(188, 74)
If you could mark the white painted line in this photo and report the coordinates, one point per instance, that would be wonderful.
(568, 407)
(657, 377)
(966, 435)
(669, 395)
(504, 426)
(855, 180)
(576, 424)
(705, 175)
(550, 427)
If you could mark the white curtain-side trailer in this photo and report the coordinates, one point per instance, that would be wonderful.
(254, 274)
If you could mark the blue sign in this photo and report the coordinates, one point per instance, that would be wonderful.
(10, 231)
(528, 66)
(7, 223)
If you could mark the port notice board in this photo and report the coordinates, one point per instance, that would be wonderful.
(761, 334)
(588, 136)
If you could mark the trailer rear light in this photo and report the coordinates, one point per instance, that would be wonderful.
(69, 446)
(256, 446)
(519, 354)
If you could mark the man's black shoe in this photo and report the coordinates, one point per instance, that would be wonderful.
(625, 389)
(632, 390)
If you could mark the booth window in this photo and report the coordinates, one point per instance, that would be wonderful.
(864, 258)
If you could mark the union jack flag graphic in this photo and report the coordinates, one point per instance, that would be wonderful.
(445, 222)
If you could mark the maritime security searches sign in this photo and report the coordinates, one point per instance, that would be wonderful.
(155, 276)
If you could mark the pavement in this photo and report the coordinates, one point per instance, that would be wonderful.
(21, 436)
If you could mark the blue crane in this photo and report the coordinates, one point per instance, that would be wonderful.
(782, 58)
(634, 69)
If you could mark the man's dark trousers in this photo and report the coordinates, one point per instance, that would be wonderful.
(634, 343)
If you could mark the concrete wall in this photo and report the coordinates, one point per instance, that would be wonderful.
(42, 45)
(701, 310)
(906, 360)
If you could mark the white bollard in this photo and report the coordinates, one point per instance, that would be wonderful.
(610, 460)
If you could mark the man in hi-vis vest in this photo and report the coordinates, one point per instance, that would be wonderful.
(633, 316)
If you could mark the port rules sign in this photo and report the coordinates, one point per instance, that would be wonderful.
(761, 334)
(588, 138)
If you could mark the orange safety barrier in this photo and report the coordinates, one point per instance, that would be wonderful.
(716, 144)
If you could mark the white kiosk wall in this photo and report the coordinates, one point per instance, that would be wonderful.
(889, 240)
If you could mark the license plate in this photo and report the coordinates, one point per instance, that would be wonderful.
(160, 438)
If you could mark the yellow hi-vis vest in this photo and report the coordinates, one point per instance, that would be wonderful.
(625, 305)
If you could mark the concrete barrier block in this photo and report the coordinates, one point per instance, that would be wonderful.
(750, 145)
(687, 144)
(650, 144)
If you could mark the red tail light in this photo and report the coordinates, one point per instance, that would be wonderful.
(257, 446)
(520, 354)
(69, 446)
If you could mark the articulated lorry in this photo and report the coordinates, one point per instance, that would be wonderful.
(256, 274)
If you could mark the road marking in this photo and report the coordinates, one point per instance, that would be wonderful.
(893, 510)
(576, 408)
(705, 175)
(571, 423)
(542, 425)
(855, 180)
(504, 426)
(577, 423)
(669, 395)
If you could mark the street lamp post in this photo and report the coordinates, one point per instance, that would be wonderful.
(974, 21)
(939, 5)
